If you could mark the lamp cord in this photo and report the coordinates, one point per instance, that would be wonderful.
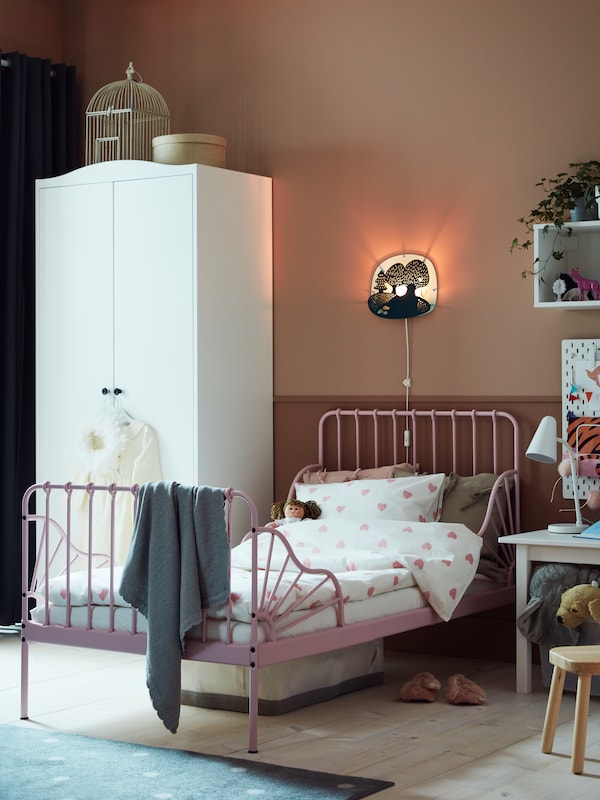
(553, 492)
(407, 384)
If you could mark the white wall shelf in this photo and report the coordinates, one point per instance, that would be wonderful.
(581, 250)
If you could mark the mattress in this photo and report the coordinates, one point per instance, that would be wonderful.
(358, 611)
(375, 607)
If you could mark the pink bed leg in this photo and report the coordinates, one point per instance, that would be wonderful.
(253, 709)
(24, 678)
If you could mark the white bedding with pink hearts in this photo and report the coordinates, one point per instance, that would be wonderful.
(369, 559)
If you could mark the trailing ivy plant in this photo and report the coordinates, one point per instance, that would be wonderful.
(562, 195)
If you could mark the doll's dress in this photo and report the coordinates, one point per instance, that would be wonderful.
(287, 521)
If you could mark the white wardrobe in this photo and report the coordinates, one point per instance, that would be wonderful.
(156, 280)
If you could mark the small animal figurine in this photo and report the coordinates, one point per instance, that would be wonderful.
(586, 285)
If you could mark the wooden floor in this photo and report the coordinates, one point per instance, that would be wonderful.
(430, 751)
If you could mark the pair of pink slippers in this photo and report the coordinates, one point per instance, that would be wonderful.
(425, 687)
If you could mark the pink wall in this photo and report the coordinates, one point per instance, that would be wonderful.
(386, 125)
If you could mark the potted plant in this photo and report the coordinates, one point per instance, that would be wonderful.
(569, 196)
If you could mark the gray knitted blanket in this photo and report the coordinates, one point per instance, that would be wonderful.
(178, 565)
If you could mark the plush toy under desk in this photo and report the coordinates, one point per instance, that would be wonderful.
(538, 622)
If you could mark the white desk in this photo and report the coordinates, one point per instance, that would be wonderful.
(542, 546)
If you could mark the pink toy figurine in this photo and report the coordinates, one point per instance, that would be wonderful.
(585, 285)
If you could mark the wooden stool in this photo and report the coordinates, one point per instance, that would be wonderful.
(583, 661)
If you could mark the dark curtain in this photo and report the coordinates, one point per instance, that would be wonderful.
(38, 131)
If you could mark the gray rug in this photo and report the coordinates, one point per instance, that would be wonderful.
(60, 766)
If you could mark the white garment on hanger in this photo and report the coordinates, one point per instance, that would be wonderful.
(111, 450)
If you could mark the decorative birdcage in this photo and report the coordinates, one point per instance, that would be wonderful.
(122, 118)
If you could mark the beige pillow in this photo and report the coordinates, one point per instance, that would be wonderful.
(466, 500)
(323, 476)
(374, 473)
(405, 471)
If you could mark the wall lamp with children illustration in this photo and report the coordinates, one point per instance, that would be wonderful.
(403, 285)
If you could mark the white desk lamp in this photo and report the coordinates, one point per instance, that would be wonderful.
(542, 448)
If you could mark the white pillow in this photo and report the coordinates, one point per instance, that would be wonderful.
(415, 499)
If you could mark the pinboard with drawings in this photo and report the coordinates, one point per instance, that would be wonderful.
(581, 411)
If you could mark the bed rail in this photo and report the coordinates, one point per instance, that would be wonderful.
(272, 601)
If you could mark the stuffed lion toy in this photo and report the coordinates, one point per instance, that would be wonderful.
(579, 604)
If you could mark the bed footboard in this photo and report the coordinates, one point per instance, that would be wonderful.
(70, 574)
(281, 604)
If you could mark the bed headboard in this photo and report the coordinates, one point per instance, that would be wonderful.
(464, 442)
(478, 450)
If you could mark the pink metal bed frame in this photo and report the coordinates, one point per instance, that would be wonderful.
(438, 440)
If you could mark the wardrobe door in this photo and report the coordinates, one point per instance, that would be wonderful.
(154, 313)
(235, 363)
(74, 318)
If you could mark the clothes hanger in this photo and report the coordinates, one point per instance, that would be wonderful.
(114, 406)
